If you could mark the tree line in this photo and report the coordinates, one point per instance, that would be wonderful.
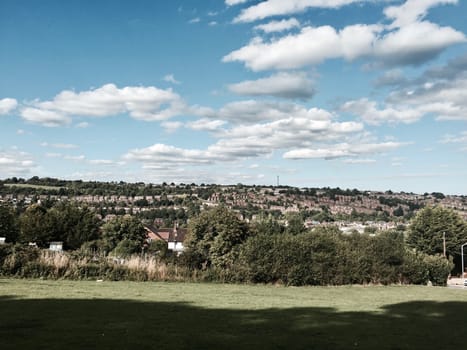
(220, 246)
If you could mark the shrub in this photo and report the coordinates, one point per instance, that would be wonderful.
(439, 268)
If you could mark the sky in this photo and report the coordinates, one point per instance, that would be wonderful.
(366, 94)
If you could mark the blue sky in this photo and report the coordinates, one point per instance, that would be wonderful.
(368, 94)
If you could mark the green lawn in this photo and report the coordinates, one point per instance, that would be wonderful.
(37, 314)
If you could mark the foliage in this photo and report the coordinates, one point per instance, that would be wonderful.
(65, 221)
(425, 232)
(34, 226)
(123, 228)
(439, 268)
(8, 223)
(213, 238)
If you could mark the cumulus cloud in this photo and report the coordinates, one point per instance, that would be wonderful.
(206, 124)
(278, 26)
(311, 46)
(15, 163)
(407, 40)
(412, 11)
(440, 91)
(369, 112)
(7, 105)
(295, 85)
(270, 8)
(253, 111)
(171, 126)
(45, 117)
(343, 150)
(415, 43)
(313, 135)
(144, 103)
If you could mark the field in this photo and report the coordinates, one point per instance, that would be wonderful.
(38, 314)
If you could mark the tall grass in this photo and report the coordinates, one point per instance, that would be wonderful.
(35, 263)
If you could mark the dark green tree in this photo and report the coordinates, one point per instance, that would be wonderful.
(425, 232)
(127, 228)
(72, 224)
(214, 237)
(34, 226)
(8, 223)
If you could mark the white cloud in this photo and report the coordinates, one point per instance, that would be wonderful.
(359, 161)
(44, 117)
(206, 125)
(59, 145)
(461, 138)
(104, 162)
(253, 111)
(415, 43)
(194, 20)
(311, 46)
(79, 158)
(270, 8)
(408, 40)
(391, 77)
(234, 2)
(412, 11)
(15, 163)
(170, 78)
(440, 91)
(278, 26)
(144, 103)
(7, 105)
(295, 85)
(368, 112)
(343, 150)
(171, 126)
(164, 154)
(250, 141)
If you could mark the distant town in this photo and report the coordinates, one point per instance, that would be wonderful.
(163, 205)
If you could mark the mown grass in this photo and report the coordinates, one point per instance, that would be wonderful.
(37, 314)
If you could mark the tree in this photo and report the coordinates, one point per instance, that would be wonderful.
(8, 223)
(295, 224)
(72, 224)
(213, 238)
(425, 232)
(34, 226)
(123, 228)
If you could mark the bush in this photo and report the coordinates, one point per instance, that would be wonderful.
(439, 268)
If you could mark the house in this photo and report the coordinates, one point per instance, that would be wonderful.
(2, 240)
(56, 246)
(173, 236)
(176, 239)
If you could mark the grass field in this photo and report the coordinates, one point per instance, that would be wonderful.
(37, 314)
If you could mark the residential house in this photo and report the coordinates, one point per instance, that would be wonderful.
(173, 236)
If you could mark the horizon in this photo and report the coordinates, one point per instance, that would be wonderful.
(277, 186)
(354, 94)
